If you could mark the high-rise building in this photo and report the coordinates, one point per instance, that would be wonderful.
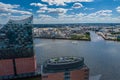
(65, 68)
(17, 58)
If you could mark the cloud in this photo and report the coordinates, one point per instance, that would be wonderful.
(63, 2)
(77, 5)
(5, 17)
(42, 10)
(101, 13)
(96, 17)
(52, 10)
(46, 19)
(75, 16)
(8, 8)
(5, 14)
(55, 2)
(118, 9)
(14, 11)
(43, 16)
(38, 4)
(57, 10)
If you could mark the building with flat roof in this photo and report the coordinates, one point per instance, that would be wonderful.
(65, 68)
(17, 58)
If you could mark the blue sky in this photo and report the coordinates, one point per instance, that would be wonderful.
(61, 11)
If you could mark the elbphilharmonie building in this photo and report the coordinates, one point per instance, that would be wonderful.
(17, 58)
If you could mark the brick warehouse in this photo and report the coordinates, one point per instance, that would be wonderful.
(65, 68)
(17, 58)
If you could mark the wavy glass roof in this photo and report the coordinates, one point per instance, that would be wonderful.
(23, 21)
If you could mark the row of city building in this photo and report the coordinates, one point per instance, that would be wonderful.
(59, 33)
(110, 33)
(17, 57)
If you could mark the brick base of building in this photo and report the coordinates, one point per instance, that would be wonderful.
(17, 68)
(77, 74)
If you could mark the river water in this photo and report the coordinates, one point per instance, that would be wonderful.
(102, 57)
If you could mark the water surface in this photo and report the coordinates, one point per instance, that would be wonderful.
(102, 57)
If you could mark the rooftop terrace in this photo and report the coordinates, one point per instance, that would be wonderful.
(63, 60)
(63, 63)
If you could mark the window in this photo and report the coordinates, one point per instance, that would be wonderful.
(86, 70)
(86, 78)
(45, 76)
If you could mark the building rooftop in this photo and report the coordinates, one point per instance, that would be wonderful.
(63, 60)
(62, 63)
(22, 21)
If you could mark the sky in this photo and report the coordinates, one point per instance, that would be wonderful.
(61, 11)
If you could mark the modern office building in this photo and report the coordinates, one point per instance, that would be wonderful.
(17, 58)
(65, 68)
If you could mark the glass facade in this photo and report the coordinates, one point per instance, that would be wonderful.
(67, 75)
(16, 39)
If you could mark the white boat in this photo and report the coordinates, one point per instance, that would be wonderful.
(74, 42)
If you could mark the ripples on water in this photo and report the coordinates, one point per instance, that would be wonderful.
(102, 57)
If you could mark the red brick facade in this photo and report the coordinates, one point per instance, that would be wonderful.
(79, 74)
(53, 76)
(6, 67)
(25, 65)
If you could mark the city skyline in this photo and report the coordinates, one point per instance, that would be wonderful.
(61, 11)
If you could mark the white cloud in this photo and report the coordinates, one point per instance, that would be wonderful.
(77, 5)
(5, 14)
(63, 2)
(17, 11)
(80, 15)
(5, 17)
(44, 16)
(118, 9)
(52, 10)
(101, 13)
(55, 2)
(57, 10)
(96, 17)
(42, 10)
(8, 8)
(38, 4)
